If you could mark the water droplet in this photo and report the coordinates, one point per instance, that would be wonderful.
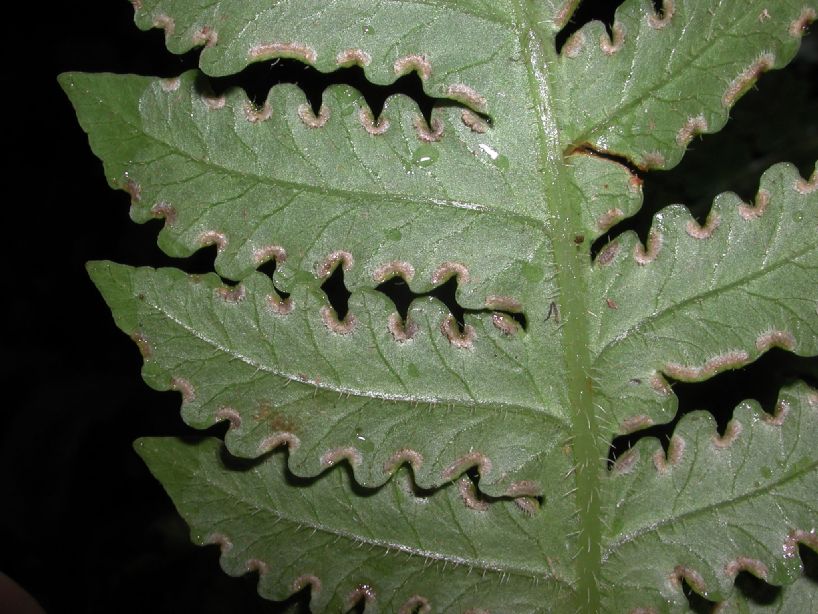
(425, 155)
(413, 370)
(799, 216)
(368, 29)
(363, 444)
(393, 234)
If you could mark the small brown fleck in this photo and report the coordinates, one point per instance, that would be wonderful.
(142, 344)
(729, 360)
(415, 605)
(351, 57)
(657, 21)
(693, 578)
(796, 536)
(798, 27)
(256, 115)
(646, 256)
(653, 159)
(503, 303)
(271, 442)
(757, 210)
(560, 19)
(450, 330)
(412, 457)
(224, 543)
(574, 45)
(165, 23)
(703, 232)
(612, 304)
(415, 62)
(229, 414)
(529, 505)
(269, 252)
(394, 268)
(504, 323)
(236, 294)
(625, 463)
(301, 581)
(782, 410)
(609, 218)
(474, 121)
(362, 593)
(607, 254)
(524, 488)
(214, 103)
(467, 95)
(185, 387)
(339, 327)
(746, 78)
(451, 269)
(257, 565)
(401, 331)
(298, 51)
(206, 36)
(611, 44)
(278, 305)
(170, 85)
(635, 423)
(467, 461)
(426, 133)
(745, 563)
(166, 211)
(341, 256)
(807, 187)
(370, 125)
(692, 127)
(579, 239)
(776, 338)
(310, 119)
(134, 189)
(675, 451)
(336, 455)
(731, 433)
(468, 493)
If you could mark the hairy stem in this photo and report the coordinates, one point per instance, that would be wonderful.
(571, 259)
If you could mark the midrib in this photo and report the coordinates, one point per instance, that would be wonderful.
(563, 222)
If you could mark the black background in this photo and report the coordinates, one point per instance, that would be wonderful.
(83, 525)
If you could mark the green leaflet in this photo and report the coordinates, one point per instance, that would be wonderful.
(434, 550)
(509, 209)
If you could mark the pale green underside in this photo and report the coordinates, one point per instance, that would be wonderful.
(517, 206)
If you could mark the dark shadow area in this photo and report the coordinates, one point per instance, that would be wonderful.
(761, 380)
(337, 292)
(257, 79)
(697, 603)
(774, 122)
(399, 293)
(586, 13)
(809, 558)
(268, 268)
(84, 525)
(757, 590)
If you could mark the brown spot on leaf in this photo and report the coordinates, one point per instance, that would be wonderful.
(426, 133)
(298, 51)
(351, 57)
(415, 62)
(746, 78)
